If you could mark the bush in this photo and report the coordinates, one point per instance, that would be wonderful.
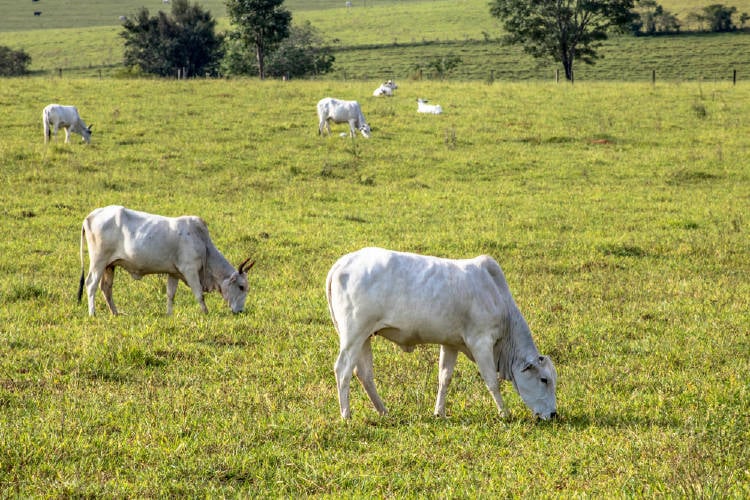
(13, 62)
(183, 40)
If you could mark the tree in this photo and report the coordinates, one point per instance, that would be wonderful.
(719, 17)
(651, 18)
(564, 30)
(13, 62)
(302, 53)
(260, 24)
(186, 39)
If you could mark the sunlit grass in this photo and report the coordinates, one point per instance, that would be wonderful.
(618, 212)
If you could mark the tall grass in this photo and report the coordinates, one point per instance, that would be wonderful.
(618, 212)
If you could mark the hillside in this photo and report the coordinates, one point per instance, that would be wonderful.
(380, 39)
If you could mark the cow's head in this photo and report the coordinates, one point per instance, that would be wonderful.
(234, 289)
(535, 380)
(365, 129)
(86, 134)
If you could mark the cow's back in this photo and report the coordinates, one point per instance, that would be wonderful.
(415, 292)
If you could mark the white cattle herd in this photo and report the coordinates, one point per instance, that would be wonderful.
(56, 116)
(410, 299)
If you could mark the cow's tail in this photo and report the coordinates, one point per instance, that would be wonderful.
(45, 122)
(329, 280)
(81, 282)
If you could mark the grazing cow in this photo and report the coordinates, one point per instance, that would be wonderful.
(56, 116)
(339, 111)
(385, 89)
(463, 305)
(37, 12)
(433, 109)
(142, 244)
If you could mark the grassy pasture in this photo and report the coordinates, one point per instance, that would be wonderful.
(618, 212)
(391, 39)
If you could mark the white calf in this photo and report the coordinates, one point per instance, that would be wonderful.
(433, 109)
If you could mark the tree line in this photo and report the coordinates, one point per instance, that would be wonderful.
(263, 41)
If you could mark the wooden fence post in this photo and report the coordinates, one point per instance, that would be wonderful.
(653, 77)
(734, 77)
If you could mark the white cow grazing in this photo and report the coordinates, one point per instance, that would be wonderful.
(433, 109)
(463, 305)
(142, 244)
(339, 111)
(56, 116)
(385, 89)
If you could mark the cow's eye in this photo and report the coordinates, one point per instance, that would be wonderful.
(242, 289)
(544, 381)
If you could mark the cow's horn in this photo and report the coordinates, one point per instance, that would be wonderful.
(240, 269)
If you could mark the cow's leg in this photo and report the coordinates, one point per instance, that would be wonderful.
(92, 283)
(108, 278)
(483, 356)
(172, 283)
(193, 281)
(67, 135)
(350, 351)
(448, 356)
(352, 128)
(366, 376)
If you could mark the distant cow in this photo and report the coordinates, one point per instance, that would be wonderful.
(37, 12)
(463, 305)
(142, 244)
(339, 111)
(56, 116)
(385, 89)
(423, 107)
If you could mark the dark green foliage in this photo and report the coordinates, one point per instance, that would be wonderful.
(260, 25)
(184, 40)
(719, 17)
(563, 30)
(652, 18)
(302, 53)
(13, 62)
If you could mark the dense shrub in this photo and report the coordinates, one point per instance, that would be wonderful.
(13, 62)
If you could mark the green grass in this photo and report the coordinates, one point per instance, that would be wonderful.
(618, 212)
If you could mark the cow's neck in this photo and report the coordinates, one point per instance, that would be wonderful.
(217, 270)
(516, 346)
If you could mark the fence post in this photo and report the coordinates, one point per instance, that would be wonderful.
(557, 75)
(734, 77)
(653, 77)
(59, 72)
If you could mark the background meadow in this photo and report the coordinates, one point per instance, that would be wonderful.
(377, 40)
(618, 212)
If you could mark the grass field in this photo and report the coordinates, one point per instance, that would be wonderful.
(385, 39)
(618, 212)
